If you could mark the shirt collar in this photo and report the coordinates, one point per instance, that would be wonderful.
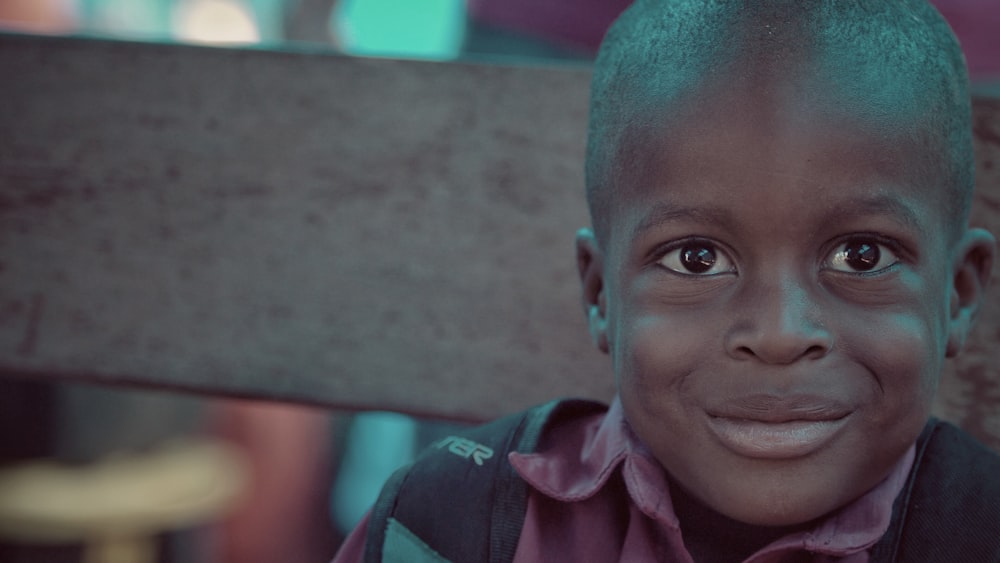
(577, 465)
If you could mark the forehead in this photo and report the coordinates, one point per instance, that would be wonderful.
(790, 154)
(784, 115)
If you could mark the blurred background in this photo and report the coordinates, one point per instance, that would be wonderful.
(511, 30)
(298, 478)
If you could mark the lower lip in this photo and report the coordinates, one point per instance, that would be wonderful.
(775, 440)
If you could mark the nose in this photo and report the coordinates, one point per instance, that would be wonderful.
(780, 322)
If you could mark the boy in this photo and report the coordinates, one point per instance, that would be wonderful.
(778, 266)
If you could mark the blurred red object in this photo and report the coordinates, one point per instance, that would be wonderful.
(977, 25)
(38, 16)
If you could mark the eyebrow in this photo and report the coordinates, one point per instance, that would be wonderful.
(664, 212)
(880, 205)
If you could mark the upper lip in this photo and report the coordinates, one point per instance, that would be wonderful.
(780, 408)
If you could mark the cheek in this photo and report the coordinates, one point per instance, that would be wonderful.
(900, 342)
(640, 349)
(654, 356)
(903, 354)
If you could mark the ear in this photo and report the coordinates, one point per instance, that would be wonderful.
(972, 269)
(590, 265)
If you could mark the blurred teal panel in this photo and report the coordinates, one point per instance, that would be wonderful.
(141, 19)
(410, 28)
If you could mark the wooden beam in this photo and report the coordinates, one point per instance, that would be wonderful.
(339, 231)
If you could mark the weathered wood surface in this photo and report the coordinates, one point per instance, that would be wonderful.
(304, 227)
(299, 227)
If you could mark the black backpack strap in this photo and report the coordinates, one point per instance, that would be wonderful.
(949, 509)
(461, 501)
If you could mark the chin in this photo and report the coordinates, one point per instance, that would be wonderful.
(769, 516)
(780, 504)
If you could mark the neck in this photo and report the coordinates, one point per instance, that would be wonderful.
(713, 536)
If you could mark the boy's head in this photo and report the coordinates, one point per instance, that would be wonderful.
(780, 260)
(894, 63)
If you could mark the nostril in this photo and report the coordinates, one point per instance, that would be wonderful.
(743, 353)
(815, 352)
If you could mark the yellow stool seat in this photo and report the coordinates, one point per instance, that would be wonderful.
(116, 506)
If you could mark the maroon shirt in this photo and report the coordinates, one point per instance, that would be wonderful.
(573, 511)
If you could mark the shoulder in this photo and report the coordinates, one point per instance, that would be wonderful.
(953, 462)
(950, 509)
(462, 489)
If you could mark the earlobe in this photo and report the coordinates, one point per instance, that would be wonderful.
(972, 270)
(590, 266)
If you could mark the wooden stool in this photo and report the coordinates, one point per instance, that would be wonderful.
(117, 506)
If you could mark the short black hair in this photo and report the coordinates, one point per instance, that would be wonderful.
(898, 57)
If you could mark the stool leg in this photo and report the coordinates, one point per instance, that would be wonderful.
(120, 550)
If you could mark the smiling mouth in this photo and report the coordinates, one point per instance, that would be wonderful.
(774, 440)
(777, 433)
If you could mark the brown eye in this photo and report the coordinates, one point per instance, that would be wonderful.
(697, 258)
(862, 256)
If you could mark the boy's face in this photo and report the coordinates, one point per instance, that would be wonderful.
(777, 293)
